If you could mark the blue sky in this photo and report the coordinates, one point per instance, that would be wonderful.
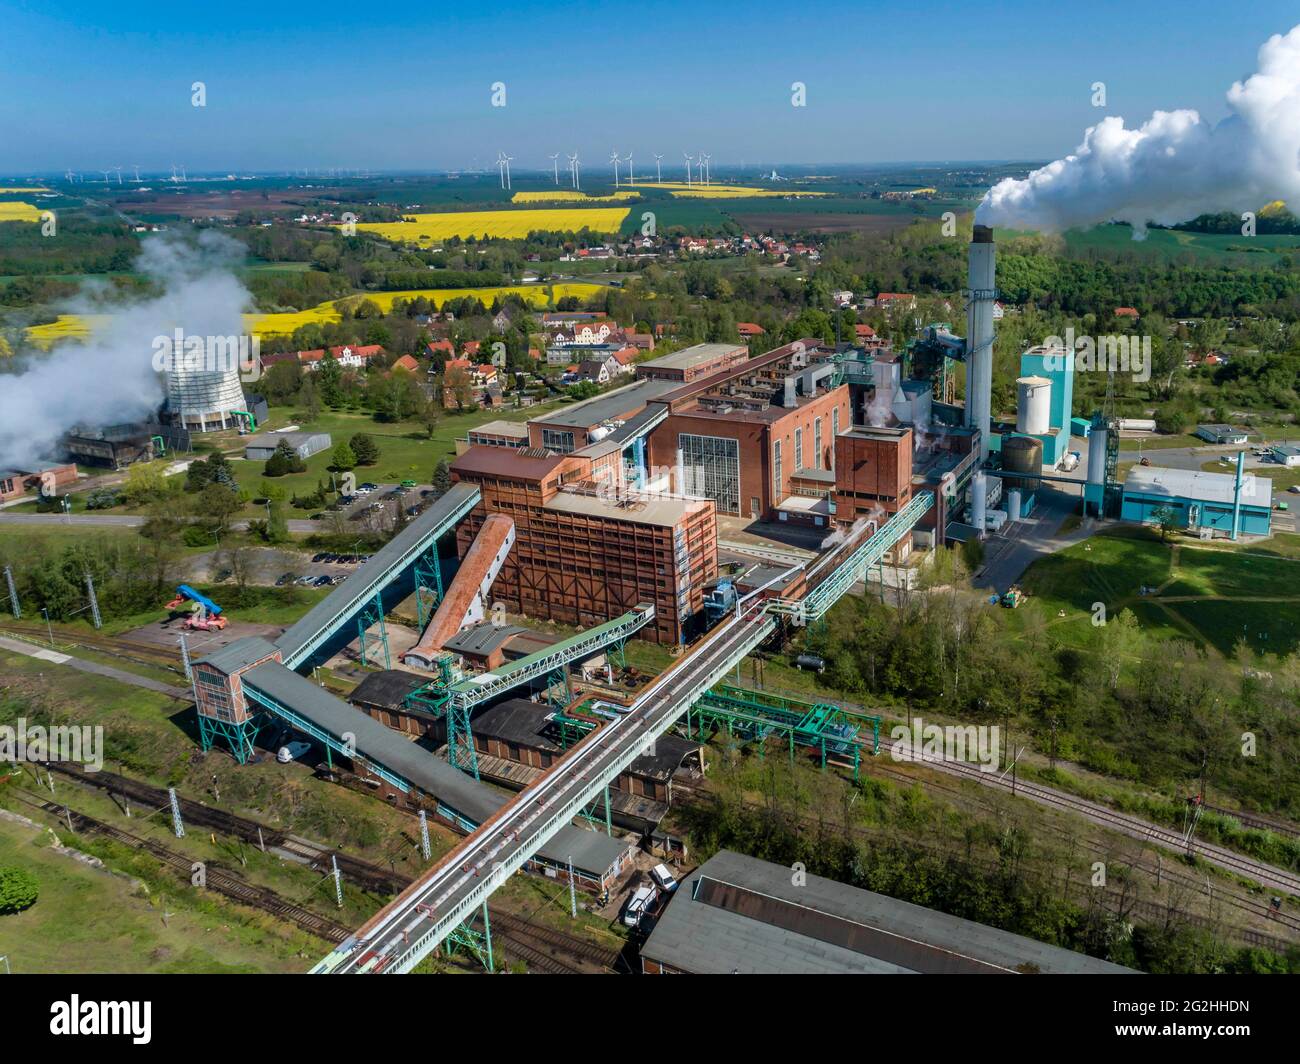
(407, 86)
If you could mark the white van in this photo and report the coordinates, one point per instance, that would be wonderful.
(638, 904)
(664, 878)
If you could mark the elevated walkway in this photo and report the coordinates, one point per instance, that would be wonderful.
(319, 626)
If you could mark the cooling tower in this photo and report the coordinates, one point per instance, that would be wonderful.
(204, 389)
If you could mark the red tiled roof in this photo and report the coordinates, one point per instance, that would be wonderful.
(406, 362)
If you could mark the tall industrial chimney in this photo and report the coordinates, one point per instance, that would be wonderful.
(979, 335)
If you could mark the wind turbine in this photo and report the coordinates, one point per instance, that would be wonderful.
(628, 160)
(503, 165)
(555, 163)
(574, 165)
(119, 174)
(659, 176)
(706, 159)
(106, 173)
(137, 174)
(689, 159)
(613, 157)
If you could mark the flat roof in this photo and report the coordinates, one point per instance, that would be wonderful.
(1198, 485)
(1222, 430)
(690, 357)
(642, 509)
(517, 720)
(272, 439)
(486, 460)
(517, 429)
(620, 402)
(239, 654)
(737, 914)
(482, 638)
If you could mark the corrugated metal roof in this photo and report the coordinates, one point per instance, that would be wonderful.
(1199, 486)
(591, 851)
(419, 766)
(239, 654)
(621, 402)
(487, 460)
(748, 916)
(387, 688)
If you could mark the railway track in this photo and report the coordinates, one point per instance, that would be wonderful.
(1266, 875)
(117, 646)
(218, 879)
(543, 948)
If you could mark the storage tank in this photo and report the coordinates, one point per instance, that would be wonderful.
(1137, 424)
(1097, 456)
(978, 503)
(1023, 454)
(1013, 504)
(1033, 405)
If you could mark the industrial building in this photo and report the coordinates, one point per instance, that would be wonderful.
(739, 915)
(702, 360)
(1202, 503)
(739, 437)
(1222, 435)
(583, 554)
(259, 448)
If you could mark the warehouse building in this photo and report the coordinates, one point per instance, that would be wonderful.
(571, 428)
(305, 444)
(739, 915)
(1202, 503)
(702, 360)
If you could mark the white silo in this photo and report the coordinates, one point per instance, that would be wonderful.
(979, 503)
(1033, 406)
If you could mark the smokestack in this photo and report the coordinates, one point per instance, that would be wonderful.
(979, 334)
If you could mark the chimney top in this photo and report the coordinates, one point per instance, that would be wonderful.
(983, 235)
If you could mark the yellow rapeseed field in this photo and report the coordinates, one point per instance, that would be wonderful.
(8, 191)
(682, 190)
(570, 195)
(510, 225)
(533, 294)
(73, 326)
(18, 211)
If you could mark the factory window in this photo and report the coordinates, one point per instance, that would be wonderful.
(555, 440)
(798, 449)
(817, 444)
(776, 470)
(711, 468)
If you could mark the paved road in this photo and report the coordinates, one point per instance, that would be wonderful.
(1007, 554)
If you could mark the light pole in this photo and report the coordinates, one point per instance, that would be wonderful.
(48, 629)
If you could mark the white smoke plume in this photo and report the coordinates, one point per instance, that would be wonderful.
(110, 379)
(1173, 167)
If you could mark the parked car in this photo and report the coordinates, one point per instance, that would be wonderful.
(664, 878)
(291, 752)
(370, 487)
(286, 578)
(414, 511)
(638, 905)
(305, 580)
(318, 557)
(323, 581)
(408, 483)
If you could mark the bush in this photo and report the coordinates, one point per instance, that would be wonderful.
(197, 536)
(19, 889)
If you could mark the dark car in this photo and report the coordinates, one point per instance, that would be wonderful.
(319, 557)
(414, 511)
(287, 578)
(370, 487)
(322, 581)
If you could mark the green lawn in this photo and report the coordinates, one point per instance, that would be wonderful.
(88, 919)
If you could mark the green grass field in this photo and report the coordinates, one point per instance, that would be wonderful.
(1223, 249)
(1214, 596)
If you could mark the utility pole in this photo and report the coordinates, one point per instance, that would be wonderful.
(49, 631)
(14, 608)
(178, 826)
(185, 658)
(424, 835)
(338, 881)
(573, 891)
(94, 603)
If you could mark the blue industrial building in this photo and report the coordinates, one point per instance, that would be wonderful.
(1224, 503)
(1055, 365)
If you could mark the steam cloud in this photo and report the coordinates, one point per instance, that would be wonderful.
(1176, 165)
(110, 379)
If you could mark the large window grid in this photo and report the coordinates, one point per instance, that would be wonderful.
(711, 468)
